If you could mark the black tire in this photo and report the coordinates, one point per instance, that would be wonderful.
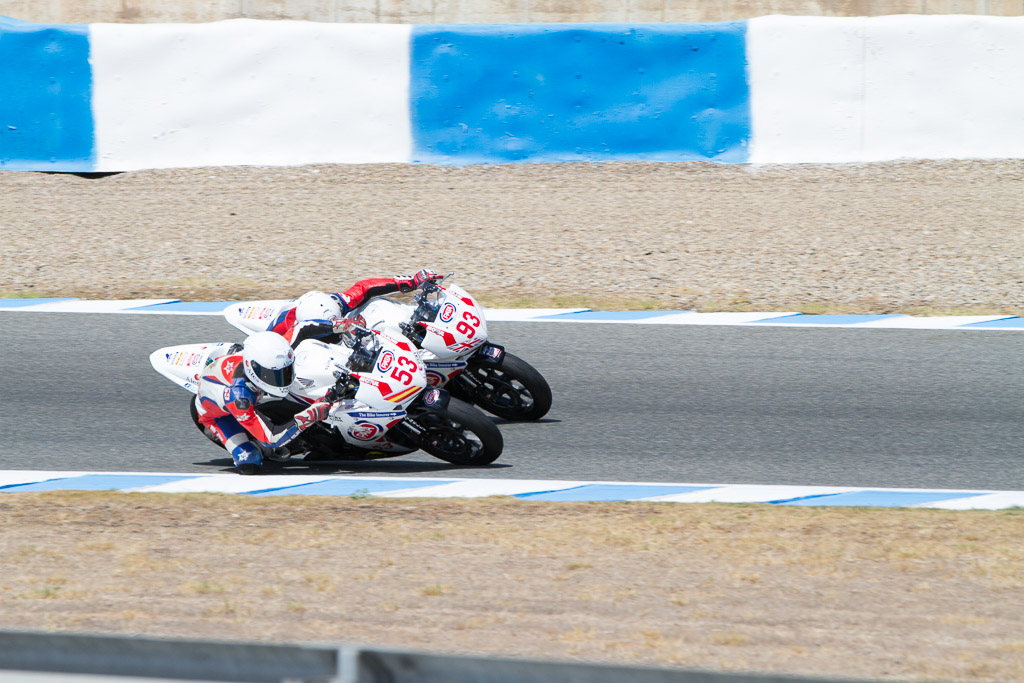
(194, 412)
(461, 435)
(326, 445)
(514, 390)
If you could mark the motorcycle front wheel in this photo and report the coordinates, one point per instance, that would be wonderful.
(461, 435)
(513, 390)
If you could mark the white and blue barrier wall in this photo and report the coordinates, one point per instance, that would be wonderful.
(118, 97)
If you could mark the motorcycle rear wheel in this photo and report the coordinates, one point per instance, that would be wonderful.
(194, 412)
(513, 390)
(461, 435)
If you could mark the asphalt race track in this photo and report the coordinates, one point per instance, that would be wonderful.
(728, 405)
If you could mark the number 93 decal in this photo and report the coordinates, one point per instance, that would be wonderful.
(468, 325)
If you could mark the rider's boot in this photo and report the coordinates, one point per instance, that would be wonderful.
(247, 458)
(279, 454)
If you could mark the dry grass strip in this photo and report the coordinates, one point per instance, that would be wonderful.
(848, 592)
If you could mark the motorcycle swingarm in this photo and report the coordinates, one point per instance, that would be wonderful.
(470, 388)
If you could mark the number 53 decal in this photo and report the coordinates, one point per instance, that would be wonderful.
(404, 376)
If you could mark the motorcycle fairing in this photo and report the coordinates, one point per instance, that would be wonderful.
(378, 404)
(185, 363)
(460, 325)
(256, 316)
(366, 428)
(384, 314)
(439, 373)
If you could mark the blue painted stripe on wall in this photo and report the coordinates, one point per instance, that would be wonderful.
(46, 119)
(498, 93)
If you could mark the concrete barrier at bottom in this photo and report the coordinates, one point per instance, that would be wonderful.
(164, 659)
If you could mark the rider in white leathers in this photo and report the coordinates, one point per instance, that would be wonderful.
(319, 315)
(227, 396)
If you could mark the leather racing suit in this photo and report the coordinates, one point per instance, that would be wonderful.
(355, 296)
(226, 408)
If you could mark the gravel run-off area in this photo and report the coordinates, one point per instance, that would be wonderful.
(918, 237)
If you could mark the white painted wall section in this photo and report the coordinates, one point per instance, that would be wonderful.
(806, 84)
(944, 87)
(830, 90)
(245, 92)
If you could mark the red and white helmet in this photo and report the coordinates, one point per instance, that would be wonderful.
(317, 306)
(269, 363)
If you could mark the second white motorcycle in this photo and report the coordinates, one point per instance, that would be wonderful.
(450, 328)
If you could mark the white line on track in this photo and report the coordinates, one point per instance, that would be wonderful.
(567, 315)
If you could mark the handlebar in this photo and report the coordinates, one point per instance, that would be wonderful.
(345, 387)
(361, 357)
(359, 332)
(431, 286)
(425, 289)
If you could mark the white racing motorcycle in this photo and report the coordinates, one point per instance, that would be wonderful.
(383, 406)
(450, 329)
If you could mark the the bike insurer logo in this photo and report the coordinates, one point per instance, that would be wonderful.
(385, 361)
(364, 431)
(447, 313)
(430, 398)
(434, 379)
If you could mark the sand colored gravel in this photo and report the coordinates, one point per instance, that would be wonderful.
(910, 237)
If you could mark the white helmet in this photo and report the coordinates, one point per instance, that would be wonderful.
(269, 362)
(317, 306)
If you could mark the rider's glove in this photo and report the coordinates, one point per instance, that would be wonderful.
(407, 284)
(425, 275)
(340, 325)
(311, 415)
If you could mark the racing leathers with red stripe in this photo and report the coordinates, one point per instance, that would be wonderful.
(226, 406)
(355, 296)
